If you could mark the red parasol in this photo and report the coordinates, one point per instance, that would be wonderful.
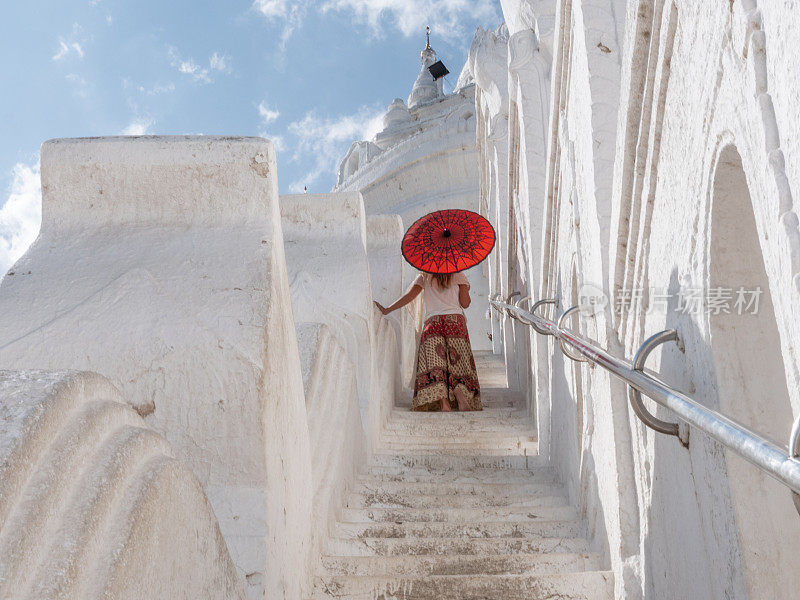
(448, 241)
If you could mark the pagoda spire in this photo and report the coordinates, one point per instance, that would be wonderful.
(426, 89)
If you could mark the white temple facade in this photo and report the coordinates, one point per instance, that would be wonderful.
(199, 400)
(424, 160)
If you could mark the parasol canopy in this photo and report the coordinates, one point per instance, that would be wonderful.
(448, 241)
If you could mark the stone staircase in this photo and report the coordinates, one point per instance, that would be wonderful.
(459, 506)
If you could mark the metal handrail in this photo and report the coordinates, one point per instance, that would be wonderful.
(508, 301)
(561, 322)
(519, 302)
(533, 310)
(778, 462)
(794, 452)
(635, 395)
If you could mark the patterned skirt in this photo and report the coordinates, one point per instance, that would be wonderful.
(445, 364)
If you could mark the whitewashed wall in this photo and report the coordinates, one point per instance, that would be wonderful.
(160, 264)
(669, 166)
(326, 250)
(338, 447)
(93, 503)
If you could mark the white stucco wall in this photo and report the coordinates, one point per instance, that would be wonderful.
(734, 105)
(329, 274)
(93, 503)
(338, 449)
(386, 266)
(653, 103)
(160, 265)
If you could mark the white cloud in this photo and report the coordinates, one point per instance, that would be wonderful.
(445, 17)
(138, 126)
(218, 62)
(21, 215)
(323, 141)
(272, 8)
(292, 14)
(267, 114)
(189, 67)
(200, 74)
(278, 141)
(68, 46)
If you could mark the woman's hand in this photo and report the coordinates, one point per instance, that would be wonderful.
(384, 310)
(414, 291)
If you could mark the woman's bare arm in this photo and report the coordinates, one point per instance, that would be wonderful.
(406, 298)
(463, 296)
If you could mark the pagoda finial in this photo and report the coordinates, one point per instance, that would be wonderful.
(428, 45)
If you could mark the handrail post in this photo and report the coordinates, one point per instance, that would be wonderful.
(532, 310)
(561, 321)
(519, 302)
(645, 416)
(521, 318)
(535, 306)
(794, 452)
(508, 301)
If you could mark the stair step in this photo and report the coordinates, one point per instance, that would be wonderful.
(465, 436)
(462, 462)
(384, 499)
(425, 474)
(481, 564)
(500, 448)
(515, 402)
(459, 435)
(461, 506)
(456, 515)
(591, 585)
(458, 427)
(505, 414)
(454, 546)
(486, 529)
(482, 489)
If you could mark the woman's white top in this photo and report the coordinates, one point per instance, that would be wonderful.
(440, 301)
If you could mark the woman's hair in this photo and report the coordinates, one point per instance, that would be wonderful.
(442, 279)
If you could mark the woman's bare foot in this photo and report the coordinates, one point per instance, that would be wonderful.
(445, 405)
(463, 405)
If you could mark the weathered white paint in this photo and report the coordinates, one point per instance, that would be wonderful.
(334, 422)
(386, 267)
(652, 104)
(93, 503)
(331, 285)
(160, 264)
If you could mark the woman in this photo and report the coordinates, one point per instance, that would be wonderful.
(446, 375)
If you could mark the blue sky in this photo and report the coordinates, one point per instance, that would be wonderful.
(311, 75)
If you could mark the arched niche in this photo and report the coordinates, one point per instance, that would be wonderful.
(751, 384)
